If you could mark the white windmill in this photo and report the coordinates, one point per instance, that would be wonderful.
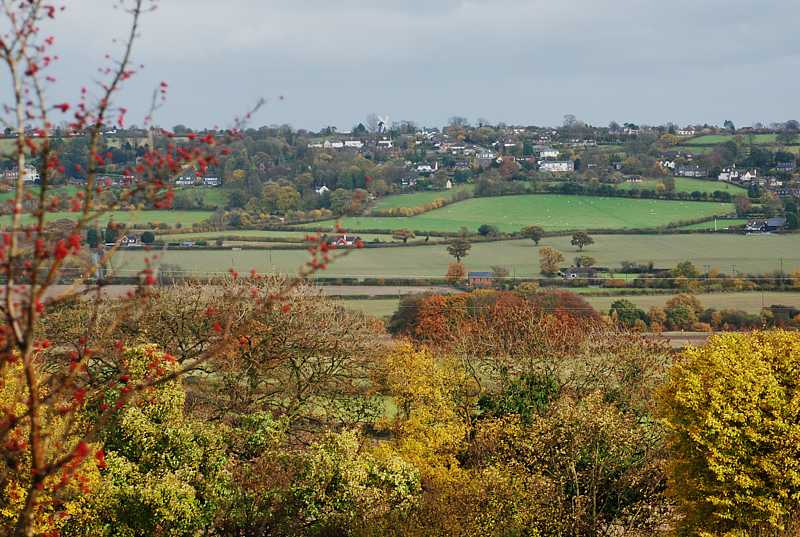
(383, 124)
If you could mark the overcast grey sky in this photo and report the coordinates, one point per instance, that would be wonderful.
(517, 61)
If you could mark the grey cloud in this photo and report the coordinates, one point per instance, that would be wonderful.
(520, 61)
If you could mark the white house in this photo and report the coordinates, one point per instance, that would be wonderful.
(427, 168)
(732, 174)
(670, 164)
(485, 158)
(185, 181)
(321, 190)
(548, 152)
(449, 184)
(31, 175)
(212, 181)
(690, 170)
(557, 166)
(385, 144)
(353, 144)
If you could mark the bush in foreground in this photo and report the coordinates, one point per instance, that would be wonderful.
(733, 412)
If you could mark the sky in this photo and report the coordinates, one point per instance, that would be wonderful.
(522, 62)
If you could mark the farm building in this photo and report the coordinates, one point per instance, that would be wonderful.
(30, 175)
(765, 226)
(480, 279)
(573, 273)
(557, 166)
(342, 240)
(690, 170)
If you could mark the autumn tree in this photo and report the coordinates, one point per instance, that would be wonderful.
(626, 312)
(743, 205)
(459, 248)
(456, 273)
(550, 260)
(403, 235)
(277, 198)
(499, 272)
(685, 269)
(729, 407)
(581, 239)
(534, 233)
(162, 471)
(559, 408)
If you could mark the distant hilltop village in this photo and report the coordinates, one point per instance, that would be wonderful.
(343, 172)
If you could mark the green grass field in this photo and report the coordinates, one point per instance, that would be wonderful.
(551, 211)
(687, 184)
(761, 139)
(694, 149)
(171, 217)
(753, 254)
(417, 199)
(383, 307)
(212, 197)
(255, 234)
(62, 192)
(8, 145)
(721, 224)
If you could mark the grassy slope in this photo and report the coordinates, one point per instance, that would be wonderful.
(721, 224)
(377, 308)
(746, 253)
(686, 184)
(186, 218)
(417, 199)
(551, 211)
(256, 233)
(764, 139)
(213, 197)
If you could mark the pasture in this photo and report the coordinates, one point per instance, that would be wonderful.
(688, 185)
(212, 196)
(551, 211)
(417, 199)
(383, 307)
(721, 224)
(256, 234)
(713, 139)
(740, 253)
(170, 217)
(60, 191)
(694, 149)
